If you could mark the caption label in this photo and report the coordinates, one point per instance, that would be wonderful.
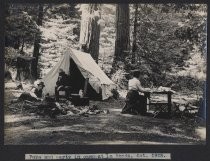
(166, 156)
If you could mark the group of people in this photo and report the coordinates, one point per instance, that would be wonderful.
(37, 94)
(47, 105)
(136, 100)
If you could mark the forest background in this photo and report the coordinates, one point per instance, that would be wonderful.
(165, 41)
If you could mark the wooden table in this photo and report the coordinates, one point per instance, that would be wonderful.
(161, 105)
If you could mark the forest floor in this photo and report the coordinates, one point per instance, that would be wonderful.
(23, 128)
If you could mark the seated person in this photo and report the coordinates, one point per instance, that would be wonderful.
(135, 103)
(62, 84)
(36, 94)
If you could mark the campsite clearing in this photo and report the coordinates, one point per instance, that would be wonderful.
(110, 128)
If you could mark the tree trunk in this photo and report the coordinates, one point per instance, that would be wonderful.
(134, 47)
(23, 43)
(90, 29)
(17, 43)
(36, 44)
(122, 32)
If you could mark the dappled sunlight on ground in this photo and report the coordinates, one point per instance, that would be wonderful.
(103, 128)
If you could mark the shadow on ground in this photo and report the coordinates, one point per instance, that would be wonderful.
(111, 128)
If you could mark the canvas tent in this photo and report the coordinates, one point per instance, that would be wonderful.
(80, 66)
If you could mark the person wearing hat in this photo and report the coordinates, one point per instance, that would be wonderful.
(38, 91)
(62, 84)
(135, 103)
(36, 94)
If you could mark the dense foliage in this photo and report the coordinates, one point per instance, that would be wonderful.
(21, 25)
(167, 42)
(168, 36)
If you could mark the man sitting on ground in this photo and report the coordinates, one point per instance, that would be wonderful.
(36, 94)
(62, 84)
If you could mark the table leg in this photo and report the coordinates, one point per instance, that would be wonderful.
(147, 95)
(169, 104)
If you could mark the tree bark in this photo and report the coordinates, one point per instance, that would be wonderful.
(36, 44)
(122, 32)
(134, 46)
(90, 29)
(23, 43)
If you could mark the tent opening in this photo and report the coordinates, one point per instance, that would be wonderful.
(78, 82)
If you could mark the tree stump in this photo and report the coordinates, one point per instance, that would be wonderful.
(24, 68)
(7, 75)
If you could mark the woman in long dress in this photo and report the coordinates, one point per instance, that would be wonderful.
(135, 103)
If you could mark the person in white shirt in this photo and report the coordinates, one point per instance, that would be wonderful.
(135, 102)
(36, 94)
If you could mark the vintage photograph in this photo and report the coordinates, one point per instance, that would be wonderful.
(105, 74)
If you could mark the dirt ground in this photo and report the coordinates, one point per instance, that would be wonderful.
(23, 128)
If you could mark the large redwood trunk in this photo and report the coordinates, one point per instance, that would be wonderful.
(122, 32)
(90, 29)
(134, 46)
